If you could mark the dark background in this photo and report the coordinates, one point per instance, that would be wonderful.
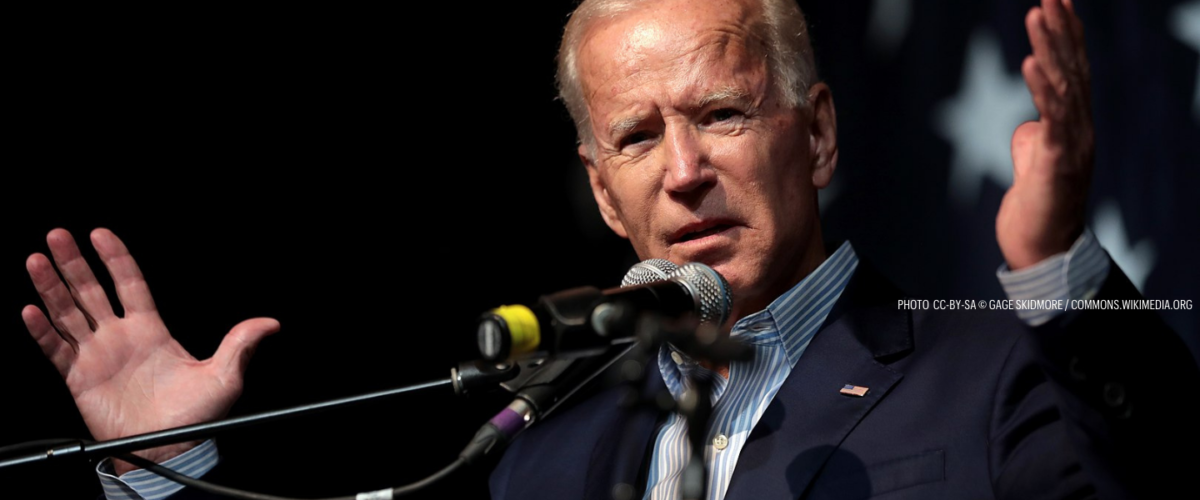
(375, 187)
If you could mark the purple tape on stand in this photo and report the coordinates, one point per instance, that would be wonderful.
(509, 422)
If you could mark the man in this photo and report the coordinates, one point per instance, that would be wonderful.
(702, 144)
(706, 136)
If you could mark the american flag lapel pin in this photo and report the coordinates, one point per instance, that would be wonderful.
(854, 390)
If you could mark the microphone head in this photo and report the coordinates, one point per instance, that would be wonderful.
(714, 300)
(648, 271)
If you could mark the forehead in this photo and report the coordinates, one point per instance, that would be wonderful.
(685, 46)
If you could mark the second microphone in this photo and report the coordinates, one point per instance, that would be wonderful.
(583, 320)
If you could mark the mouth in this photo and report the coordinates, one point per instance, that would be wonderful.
(700, 230)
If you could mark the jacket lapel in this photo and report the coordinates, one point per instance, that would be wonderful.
(622, 449)
(809, 417)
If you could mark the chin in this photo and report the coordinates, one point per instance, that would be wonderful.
(748, 281)
(739, 283)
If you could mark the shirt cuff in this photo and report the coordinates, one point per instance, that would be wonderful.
(1074, 275)
(142, 484)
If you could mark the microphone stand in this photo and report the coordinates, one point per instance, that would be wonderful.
(695, 404)
(466, 378)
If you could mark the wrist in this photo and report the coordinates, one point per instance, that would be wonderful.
(1034, 252)
(156, 455)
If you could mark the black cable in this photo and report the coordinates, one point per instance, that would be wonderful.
(39, 444)
(216, 488)
(437, 476)
(249, 495)
(205, 485)
(152, 467)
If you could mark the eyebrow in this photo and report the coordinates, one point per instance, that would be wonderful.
(623, 126)
(725, 94)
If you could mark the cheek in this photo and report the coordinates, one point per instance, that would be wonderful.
(752, 173)
(790, 149)
(633, 197)
(790, 173)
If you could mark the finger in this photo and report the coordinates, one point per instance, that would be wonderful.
(1067, 36)
(59, 304)
(1075, 24)
(56, 349)
(1049, 104)
(127, 277)
(92, 300)
(1045, 99)
(1045, 51)
(1058, 22)
(1055, 16)
(238, 346)
(1081, 68)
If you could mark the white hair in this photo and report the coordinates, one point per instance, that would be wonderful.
(782, 26)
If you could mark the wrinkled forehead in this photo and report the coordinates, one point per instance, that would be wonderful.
(672, 37)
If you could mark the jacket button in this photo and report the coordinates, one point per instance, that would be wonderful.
(1114, 394)
(622, 491)
(1076, 370)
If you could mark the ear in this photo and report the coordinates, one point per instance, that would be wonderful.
(822, 134)
(607, 210)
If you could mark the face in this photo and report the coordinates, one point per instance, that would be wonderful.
(696, 156)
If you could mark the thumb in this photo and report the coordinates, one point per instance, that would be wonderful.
(234, 353)
(1022, 146)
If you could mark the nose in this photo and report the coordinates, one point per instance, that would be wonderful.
(688, 174)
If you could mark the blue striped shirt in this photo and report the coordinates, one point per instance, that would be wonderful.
(142, 484)
(1074, 275)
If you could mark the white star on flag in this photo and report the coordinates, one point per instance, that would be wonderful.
(888, 24)
(1185, 23)
(1137, 260)
(980, 120)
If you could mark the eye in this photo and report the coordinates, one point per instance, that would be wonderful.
(724, 114)
(633, 138)
(724, 117)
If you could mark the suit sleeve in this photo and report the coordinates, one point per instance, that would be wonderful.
(1128, 385)
(1114, 389)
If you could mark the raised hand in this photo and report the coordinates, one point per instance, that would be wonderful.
(1042, 213)
(127, 374)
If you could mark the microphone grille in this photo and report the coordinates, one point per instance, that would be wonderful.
(715, 300)
(648, 271)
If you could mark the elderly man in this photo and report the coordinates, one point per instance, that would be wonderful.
(706, 135)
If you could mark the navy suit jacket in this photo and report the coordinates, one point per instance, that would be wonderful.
(961, 404)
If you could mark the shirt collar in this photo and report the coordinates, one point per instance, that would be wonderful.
(794, 317)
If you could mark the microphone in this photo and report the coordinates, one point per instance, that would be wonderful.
(540, 391)
(648, 271)
(586, 320)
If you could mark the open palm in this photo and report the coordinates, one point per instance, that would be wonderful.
(127, 374)
(1042, 213)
